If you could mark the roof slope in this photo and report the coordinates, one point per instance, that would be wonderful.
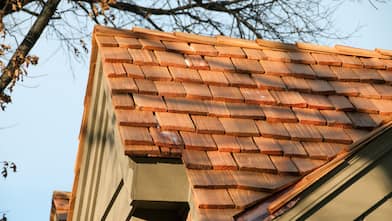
(247, 118)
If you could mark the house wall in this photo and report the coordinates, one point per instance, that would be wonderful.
(109, 180)
(161, 182)
(103, 166)
(361, 196)
(356, 189)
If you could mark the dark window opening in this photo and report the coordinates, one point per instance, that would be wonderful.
(159, 210)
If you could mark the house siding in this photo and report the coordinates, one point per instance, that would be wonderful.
(103, 165)
(353, 190)
(361, 195)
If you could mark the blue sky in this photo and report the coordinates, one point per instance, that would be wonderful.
(42, 124)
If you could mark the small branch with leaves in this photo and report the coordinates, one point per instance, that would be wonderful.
(4, 217)
(8, 166)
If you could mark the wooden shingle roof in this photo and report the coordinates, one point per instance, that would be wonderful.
(247, 118)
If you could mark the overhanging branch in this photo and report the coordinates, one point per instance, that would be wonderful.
(10, 71)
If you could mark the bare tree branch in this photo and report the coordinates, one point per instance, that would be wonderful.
(284, 20)
(11, 72)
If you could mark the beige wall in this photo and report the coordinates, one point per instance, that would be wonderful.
(161, 182)
(103, 165)
(360, 196)
(346, 194)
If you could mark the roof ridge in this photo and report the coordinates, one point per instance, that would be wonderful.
(384, 51)
(254, 44)
(361, 51)
(153, 32)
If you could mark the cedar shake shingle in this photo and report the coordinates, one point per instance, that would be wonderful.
(166, 138)
(240, 80)
(211, 178)
(149, 102)
(186, 105)
(221, 160)
(198, 141)
(143, 57)
(197, 91)
(228, 51)
(247, 66)
(195, 159)
(268, 146)
(220, 63)
(239, 127)
(226, 143)
(174, 121)
(196, 62)
(269, 82)
(247, 118)
(292, 148)
(275, 68)
(146, 86)
(273, 55)
(123, 101)
(245, 198)
(272, 130)
(156, 73)
(170, 89)
(128, 42)
(213, 77)
(284, 165)
(135, 135)
(173, 59)
(122, 85)
(306, 165)
(247, 145)
(336, 118)
(135, 118)
(301, 132)
(213, 199)
(289, 98)
(327, 59)
(133, 70)
(254, 162)
(152, 44)
(185, 74)
(279, 114)
(207, 124)
(341, 103)
(228, 94)
(309, 116)
(257, 96)
(324, 72)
